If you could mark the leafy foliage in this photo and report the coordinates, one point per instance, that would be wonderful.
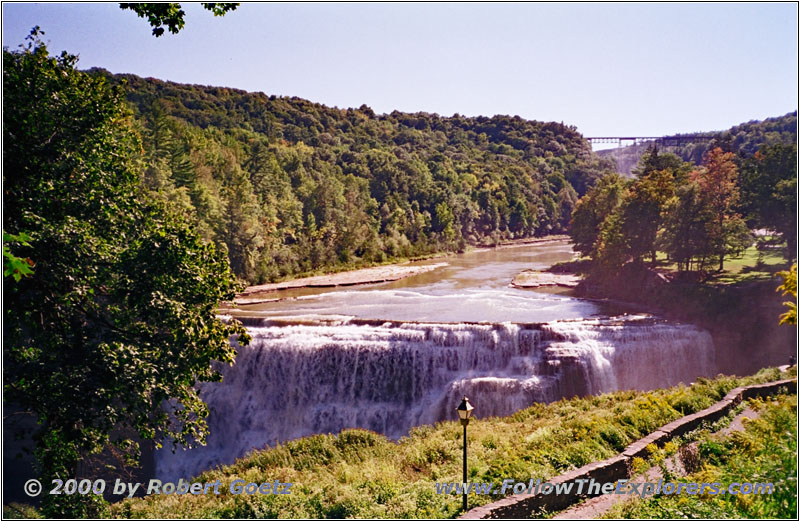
(118, 320)
(290, 186)
(14, 266)
(702, 223)
(768, 182)
(641, 215)
(789, 287)
(601, 201)
(170, 14)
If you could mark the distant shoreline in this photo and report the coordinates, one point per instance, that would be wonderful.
(514, 243)
(377, 274)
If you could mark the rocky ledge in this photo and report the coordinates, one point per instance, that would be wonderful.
(536, 279)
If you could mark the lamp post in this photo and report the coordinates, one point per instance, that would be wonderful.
(464, 412)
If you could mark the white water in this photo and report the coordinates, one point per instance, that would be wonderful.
(435, 302)
(293, 381)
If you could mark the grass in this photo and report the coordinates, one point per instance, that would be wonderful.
(360, 474)
(765, 452)
(752, 265)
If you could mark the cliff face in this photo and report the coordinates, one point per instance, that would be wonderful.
(625, 158)
(742, 318)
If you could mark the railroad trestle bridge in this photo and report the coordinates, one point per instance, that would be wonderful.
(665, 141)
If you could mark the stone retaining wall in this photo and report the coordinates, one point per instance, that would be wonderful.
(619, 467)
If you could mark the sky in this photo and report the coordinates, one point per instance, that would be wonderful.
(610, 69)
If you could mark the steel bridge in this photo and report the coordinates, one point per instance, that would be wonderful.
(658, 140)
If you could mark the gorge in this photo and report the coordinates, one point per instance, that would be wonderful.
(393, 356)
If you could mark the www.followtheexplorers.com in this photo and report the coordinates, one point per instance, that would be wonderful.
(592, 487)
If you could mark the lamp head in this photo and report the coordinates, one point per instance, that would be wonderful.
(464, 411)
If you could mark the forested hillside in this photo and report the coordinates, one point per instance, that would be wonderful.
(290, 186)
(743, 140)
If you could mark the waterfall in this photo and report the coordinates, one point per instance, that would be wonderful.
(301, 379)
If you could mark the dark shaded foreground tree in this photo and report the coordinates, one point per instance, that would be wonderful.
(116, 323)
(171, 15)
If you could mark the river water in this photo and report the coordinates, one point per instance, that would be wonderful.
(473, 287)
(318, 363)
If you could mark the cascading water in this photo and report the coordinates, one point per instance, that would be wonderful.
(297, 380)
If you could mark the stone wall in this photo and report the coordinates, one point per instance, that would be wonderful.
(619, 467)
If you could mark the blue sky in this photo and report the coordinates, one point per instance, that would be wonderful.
(607, 68)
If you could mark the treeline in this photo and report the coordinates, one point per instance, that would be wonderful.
(289, 186)
(698, 216)
(744, 140)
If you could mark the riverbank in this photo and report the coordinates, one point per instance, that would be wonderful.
(514, 243)
(377, 274)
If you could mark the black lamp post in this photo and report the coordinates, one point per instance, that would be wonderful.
(464, 412)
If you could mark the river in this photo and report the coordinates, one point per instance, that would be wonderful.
(388, 357)
(473, 287)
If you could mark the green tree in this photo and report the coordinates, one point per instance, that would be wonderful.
(652, 160)
(118, 321)
(593, 209)
(567, 199)
(241, 229)
(611, 251)
(769, 191)
(642, 212)
(171, 15)
(684, 236)
(443, 221)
